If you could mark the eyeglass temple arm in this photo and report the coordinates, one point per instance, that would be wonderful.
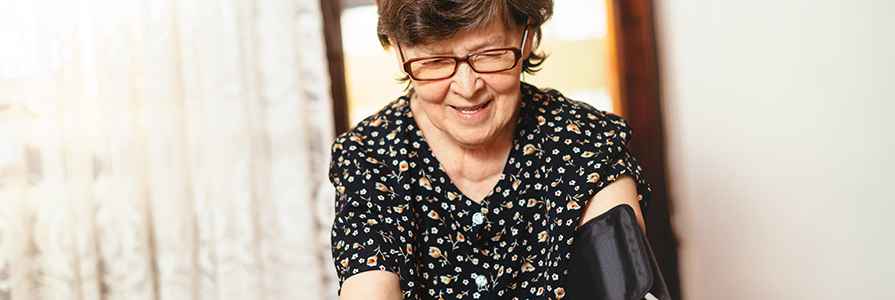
(524, 37)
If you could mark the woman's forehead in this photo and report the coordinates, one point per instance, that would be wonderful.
(488, 36)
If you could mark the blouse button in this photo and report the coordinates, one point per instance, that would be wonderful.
(478, 218)
(481, 281)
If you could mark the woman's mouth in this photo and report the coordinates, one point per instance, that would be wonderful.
(469, 110)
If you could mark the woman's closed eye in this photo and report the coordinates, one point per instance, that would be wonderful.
(437, 62)
(492, 54)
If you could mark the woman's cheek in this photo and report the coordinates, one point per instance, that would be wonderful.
(433, 91)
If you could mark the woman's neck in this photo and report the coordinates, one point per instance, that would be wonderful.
(475, 171)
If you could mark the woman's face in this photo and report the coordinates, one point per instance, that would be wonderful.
(471, 109)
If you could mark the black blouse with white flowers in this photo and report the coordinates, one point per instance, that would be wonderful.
(397, 210)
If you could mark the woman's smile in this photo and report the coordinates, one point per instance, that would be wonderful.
(471, 112)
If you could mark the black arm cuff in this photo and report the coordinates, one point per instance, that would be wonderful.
(611, 259)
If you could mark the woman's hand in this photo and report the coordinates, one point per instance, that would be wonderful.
(621, 191)
(372, 285)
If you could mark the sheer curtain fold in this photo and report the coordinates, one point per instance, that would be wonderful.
(164, 149)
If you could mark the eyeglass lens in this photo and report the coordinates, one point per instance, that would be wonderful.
(483, 62)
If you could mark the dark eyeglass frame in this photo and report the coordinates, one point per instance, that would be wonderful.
(517, 54)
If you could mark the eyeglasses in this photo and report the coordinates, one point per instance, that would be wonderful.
(440, 67)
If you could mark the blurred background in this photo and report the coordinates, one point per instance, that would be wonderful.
(780, 130)
(178, 149)
(155, 149)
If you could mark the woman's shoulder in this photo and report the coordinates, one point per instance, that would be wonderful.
(375, 130)
(572, 119)
(573, 134)
(365, 158)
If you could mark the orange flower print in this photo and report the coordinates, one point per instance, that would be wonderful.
(573, 128)
(424, 182)
(355, 138)
(371, 261)
(528, 149)
(496, 238)
(434, 252)
(527, 267)
(532, 202)
(593, 177)
(560, 292)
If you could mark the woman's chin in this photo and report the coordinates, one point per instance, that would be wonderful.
(474, 139)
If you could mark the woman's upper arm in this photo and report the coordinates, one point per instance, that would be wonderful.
(621, 191)
(364, 256)
(371, 285)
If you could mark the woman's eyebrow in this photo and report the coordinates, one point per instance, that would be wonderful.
(498, 42)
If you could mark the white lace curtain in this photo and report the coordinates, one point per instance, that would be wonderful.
(159, 149)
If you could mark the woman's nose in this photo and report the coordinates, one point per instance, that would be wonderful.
(465, 81)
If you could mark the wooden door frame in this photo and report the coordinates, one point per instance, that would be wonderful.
(332, 31)
(640, 92)
(638, 88)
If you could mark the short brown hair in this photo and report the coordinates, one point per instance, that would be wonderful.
(422, 22)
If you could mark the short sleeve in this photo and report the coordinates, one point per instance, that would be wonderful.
(360, 242)
(592, 141)
(621, 162)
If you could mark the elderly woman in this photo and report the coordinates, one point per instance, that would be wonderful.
(472, 184)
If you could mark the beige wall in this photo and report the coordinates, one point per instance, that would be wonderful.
(781, 146)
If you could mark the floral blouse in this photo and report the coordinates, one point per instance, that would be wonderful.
(397, 210)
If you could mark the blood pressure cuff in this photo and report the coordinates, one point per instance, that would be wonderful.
(611, 259)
